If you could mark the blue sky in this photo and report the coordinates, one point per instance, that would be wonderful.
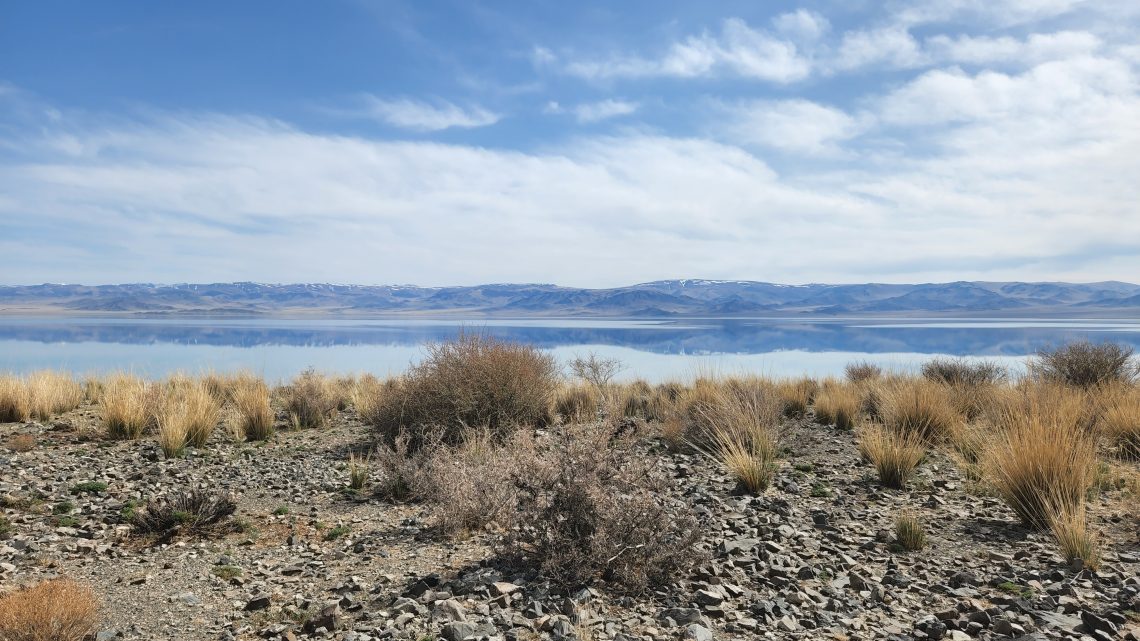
(587, 143)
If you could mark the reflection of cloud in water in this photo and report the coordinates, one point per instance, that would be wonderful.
(651, 349)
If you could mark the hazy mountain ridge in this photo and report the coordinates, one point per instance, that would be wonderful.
(689, 297)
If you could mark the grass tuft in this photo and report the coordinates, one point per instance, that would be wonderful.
(837, 404)
(909, 532)
(123, 406)
(895, 454)
(53, 610)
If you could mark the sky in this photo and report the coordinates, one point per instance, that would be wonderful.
(590, 144)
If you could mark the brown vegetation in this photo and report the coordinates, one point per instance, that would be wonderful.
(53, 610)
(1086, 364)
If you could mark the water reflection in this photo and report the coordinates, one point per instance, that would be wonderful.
(280, 347)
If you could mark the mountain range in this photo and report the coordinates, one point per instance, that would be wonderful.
(667, 298)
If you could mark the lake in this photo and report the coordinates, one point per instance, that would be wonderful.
(652, 349)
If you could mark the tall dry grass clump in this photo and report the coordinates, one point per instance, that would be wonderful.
(797, 395)
(918, 407)
(963, 371)
(310, 400)
(51, 393)
(15, 406)
(837, 404)
(739, 431)
(1068, 523)
(1041, 462)
(187, 414)
(124, 406)
(251, 416)
(1119, 421)
(471, 381)
(577, 403)
(53, 610)
(894, 453)
(365, 394)
(1085, 364)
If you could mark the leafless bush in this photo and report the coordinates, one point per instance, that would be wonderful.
(1085, 364)
(592, 508)
(860, 371)
(963, 371)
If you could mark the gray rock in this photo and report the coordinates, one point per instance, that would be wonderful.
(696, 632)
(458, 631)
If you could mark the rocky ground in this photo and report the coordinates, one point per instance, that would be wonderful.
(813, 558)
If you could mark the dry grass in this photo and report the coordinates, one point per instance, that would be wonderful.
(21, 443)
(311, 399)
(1077, 542)
(909, 532)
(1041, 461)
(577, 403)
(1119, 421)
(1085, 364)
(797, 395)
(837, 404)
(918, 407)
(739, 432)
(358, 471)
(54, 610)
(15, 404)
(124, 406)
(469, 485)
(963, 371)
(252, 417)
(51, 393)
(472, 381)
(365, 394)
(187, 414)
(895, 454)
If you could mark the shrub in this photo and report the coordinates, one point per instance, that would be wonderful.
(15, 406)
(51, 393)
(1040, 462)
(860, 371)
(963, 371)
(1119, 422)
(919, 408)
(53, 610)
(469, 485)
(1068, 523)
(196, 512)
(310, 400)
(124, 407)
(1085, 364)
(474, 381)
(576, 403)
(252, 417)
(592, 508)
(595, 370)
(403, 473)
(895, 454)
(837, 404)
(909, 532)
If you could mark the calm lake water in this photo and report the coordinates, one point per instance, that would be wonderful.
(652, 349)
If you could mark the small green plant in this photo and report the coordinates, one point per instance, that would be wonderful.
(820, 490)
(65, 521)
(5, 526)
(63, 507)
(128, 511)
(89, 487)
(909, 532)
(281, 510)
(336, 532)
(243, 525)
(1010, 587)
(227, 572)
(804, 467)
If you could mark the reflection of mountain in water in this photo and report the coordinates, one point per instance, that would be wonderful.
(700, 337)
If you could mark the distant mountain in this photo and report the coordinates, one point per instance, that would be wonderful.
(692, 298)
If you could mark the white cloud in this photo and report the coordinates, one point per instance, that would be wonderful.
(890, 47)
(797, 126)
(1036, 48)
(603, 110)
(738, 49)
(419, 115)
(801, 25)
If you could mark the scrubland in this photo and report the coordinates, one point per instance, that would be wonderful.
(491, 492)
